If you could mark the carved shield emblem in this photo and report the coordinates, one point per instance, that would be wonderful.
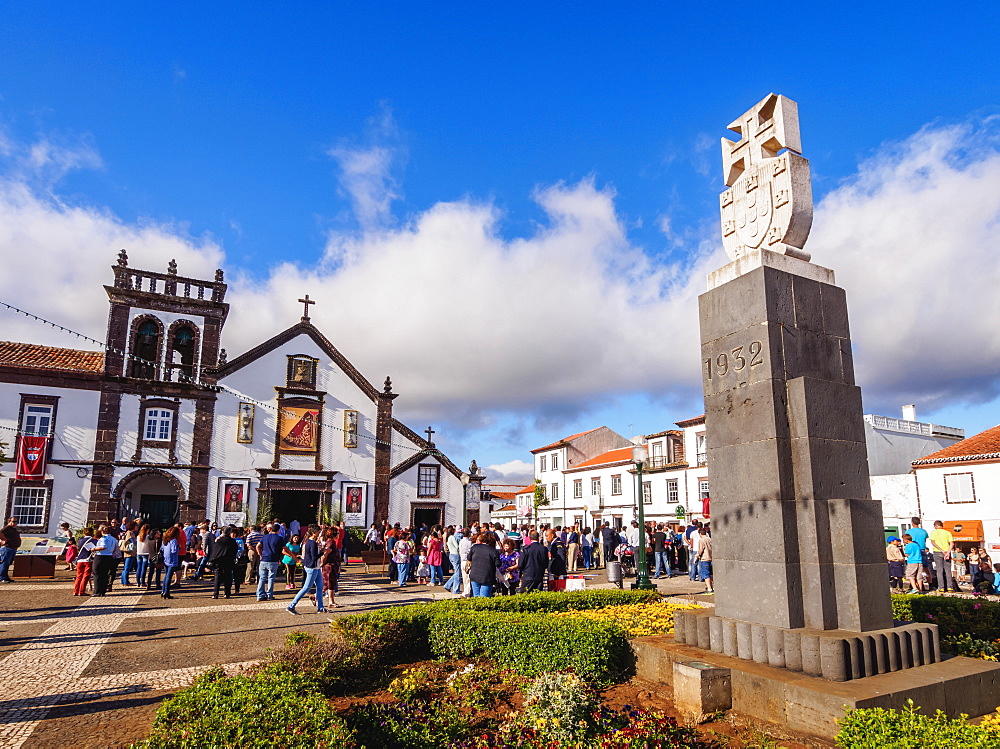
(762, 211)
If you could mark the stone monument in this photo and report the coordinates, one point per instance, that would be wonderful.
(802, 627)
(800, 567)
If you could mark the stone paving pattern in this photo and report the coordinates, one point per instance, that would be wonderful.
(89, 672)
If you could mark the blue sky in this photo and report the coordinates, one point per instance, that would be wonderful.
(495, 161)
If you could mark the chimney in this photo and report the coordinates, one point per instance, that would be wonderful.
(910, 412)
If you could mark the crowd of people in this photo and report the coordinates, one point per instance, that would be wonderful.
(923, 560)
(134, 555)
(485, 559)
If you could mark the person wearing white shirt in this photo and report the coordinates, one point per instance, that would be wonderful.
(464, 547)
(372, 538)
(104, 561)
(632, 536)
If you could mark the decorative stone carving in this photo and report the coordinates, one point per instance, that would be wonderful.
(768, 205)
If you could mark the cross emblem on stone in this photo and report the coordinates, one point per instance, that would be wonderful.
(772, 124)
(305, 311)
(428, 431)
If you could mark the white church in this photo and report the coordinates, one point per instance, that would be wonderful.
(161, 426)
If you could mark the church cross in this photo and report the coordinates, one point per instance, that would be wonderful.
(305, 312)
(428, 431)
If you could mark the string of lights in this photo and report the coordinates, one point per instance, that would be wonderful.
(210, 386)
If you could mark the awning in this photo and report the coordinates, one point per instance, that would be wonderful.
(965, 530)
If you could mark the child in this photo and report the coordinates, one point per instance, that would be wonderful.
(71, 553)
(423, 569)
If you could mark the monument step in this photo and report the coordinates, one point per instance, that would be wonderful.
(836, 655)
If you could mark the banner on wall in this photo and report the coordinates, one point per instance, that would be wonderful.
(31, 456)
(354, 503)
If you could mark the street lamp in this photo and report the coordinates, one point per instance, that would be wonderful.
(464, 478)
(642, 582)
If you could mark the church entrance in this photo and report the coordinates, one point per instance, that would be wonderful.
(296, 504)
(427, 516)
(159, 510)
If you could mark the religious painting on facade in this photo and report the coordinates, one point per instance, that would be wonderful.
(301, 372)
(350, 428)
(244, 423)
(298, 429)
(233, 501)
(354, 504)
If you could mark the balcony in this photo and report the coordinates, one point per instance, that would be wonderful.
(702, 459)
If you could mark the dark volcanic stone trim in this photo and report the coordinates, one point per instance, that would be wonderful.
(105, 445)
(140, 436)
(15, 483)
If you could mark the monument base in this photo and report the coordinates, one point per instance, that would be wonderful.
(811, 705)
(837, 655)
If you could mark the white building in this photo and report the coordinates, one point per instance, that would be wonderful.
(893, 445)
(161, 426)
(588, 485)
(960, 485)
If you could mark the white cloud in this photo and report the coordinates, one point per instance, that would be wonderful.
(468, 323)
(367, 172)
(473, 326)
(57, 257)
(513, 472)
(914, 239)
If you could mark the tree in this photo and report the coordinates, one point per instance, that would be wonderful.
(541, 499)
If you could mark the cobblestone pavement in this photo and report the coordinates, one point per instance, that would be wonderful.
(74, 664)
(90, 672)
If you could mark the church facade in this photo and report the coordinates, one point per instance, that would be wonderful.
(160, 425)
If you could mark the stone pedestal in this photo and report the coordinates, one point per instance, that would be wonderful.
(797, 538)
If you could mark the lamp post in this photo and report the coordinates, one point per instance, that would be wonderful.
(642, 581)
(464, 478)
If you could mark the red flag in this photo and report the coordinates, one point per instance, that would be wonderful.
(31, 454)
(706, 503)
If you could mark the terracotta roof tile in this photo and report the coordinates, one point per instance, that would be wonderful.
(563, 440)
(691, 422)
(14, 354)
(612, 456)
(983, 446)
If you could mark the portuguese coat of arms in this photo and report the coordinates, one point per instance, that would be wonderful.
(768, 203)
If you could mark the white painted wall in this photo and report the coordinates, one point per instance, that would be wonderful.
(75, 430)
(986, 478)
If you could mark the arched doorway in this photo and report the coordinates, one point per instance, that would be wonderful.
(153, 496)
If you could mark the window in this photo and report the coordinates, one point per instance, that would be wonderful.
(158, 423)
(701, 446)
(542, 463)
(145, 351)
(182, 353)
(959, 487)
(28, 505)
(578, 489)
(616, 484)
(555, 461)
(647, 493)
(703, 489)
(595, 487)
(672, 494)
(555, 491)
(37, 419)
(428, 478)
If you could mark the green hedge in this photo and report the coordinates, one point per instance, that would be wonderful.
(878, 728)
(508, 624)
(954, 616)
(534, 644)
(268, 709)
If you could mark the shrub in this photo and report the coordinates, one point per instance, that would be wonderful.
(406, 629)
(270, 708)
(408, 724)
(987, 650)
(533, 644)
(560, 707)
(907, 729)
(954, 616)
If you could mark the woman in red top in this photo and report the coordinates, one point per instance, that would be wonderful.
(434, 557)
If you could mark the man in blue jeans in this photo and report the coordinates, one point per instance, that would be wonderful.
(269, 548)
